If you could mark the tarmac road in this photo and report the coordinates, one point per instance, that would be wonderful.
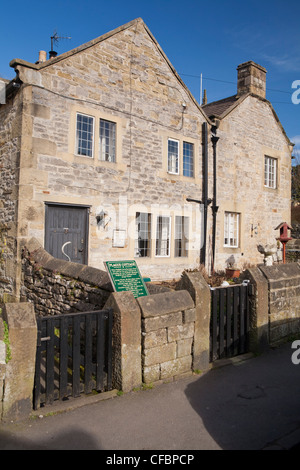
(248, 405)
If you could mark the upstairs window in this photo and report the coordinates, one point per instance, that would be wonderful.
(107, 147)
(270, 179)
(84, 135)
(173, 156)
(188, 159)
(231, 229)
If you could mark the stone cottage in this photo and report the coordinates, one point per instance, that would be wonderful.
(106, 155)
(253, 170)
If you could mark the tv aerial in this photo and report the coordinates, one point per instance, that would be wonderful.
(54, 41)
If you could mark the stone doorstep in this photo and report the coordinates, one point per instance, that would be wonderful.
(232, 360)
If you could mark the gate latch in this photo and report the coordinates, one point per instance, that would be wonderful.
(46, 338)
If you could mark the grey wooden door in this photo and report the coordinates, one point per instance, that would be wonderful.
(66, 232)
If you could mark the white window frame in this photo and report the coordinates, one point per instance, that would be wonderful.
(102, 155)
(270, 172)
(231, 229)
(168, 240)
(77, 138)
(177, 157)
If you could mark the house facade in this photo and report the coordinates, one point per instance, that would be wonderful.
(253, 170)
(106, 155)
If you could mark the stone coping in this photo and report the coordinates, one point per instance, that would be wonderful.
(281, 271)
(82, 272)
(165, 303)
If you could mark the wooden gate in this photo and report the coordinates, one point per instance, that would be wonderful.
(74, 356)
(230, 321)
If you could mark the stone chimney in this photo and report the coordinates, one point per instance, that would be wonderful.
(251, 79)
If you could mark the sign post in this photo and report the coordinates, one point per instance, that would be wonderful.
(125, 276)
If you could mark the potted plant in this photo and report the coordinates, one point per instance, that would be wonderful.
(232, 270)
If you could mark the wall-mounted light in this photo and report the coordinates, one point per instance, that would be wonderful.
(102, 218)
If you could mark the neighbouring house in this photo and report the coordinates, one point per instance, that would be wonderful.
(253, 170)
(106, 155)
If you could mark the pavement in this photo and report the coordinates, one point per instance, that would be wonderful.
(251, 403)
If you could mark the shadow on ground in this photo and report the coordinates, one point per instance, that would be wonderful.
(71, 440)
(251, 405)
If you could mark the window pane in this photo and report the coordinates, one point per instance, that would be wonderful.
(188, 159)
(107, 147)
(231, 229)
(163, 236)
(84, 135)
(270, 172)
(143, 234)
(181, 236)
(173, 156)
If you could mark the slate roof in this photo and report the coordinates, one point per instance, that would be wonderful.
(218, 108)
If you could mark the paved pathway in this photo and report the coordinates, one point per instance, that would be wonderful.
(253, 404)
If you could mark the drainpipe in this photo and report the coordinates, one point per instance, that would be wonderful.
(205, 201)
(205, 191)
(214, 140)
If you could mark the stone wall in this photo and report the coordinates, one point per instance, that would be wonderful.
(168, 328)
(293, 250)
(17, 368)
(55, 286)
(162, 336)
(275, 304)
(10, 132)
(284, 300)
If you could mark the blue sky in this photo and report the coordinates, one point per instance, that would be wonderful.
(198, 37)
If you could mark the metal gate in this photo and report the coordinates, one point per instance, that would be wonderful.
(74, 356)
(230, 321)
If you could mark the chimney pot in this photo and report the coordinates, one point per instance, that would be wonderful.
(42, 56)
(52, 54)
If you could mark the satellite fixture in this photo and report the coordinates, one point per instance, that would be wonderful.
(54, 40)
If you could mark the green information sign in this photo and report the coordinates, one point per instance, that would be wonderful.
(125, 276)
